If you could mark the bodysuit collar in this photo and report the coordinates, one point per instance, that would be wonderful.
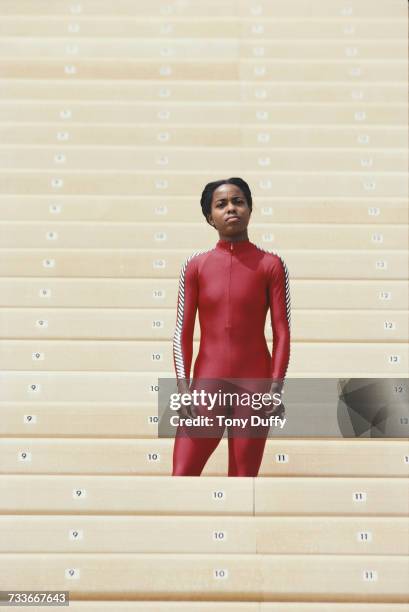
(234, 247)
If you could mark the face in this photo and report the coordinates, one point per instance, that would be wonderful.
(230, 213)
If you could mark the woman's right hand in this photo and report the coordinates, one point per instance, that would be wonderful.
(186, 412)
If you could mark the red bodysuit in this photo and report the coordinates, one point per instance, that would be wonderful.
(232, 286)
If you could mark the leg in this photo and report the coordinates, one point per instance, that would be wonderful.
(247, 443)
(194, 444)
(245, 456)
(191, 454)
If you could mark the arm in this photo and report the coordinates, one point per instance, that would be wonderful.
(280, 311)
(185, 321)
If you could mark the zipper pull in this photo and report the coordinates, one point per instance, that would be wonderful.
(231, 246)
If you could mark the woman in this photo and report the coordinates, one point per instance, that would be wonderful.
(232, 285)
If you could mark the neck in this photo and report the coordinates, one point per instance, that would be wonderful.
(236, 238)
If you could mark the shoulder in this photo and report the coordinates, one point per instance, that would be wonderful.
(191, 262)
(273, 259)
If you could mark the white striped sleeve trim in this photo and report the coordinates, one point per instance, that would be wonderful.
(177, 336)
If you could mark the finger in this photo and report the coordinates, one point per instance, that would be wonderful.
(277, 410)
(271, 407)
(183, 412)
(187, 411)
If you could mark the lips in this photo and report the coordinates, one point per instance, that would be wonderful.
(232, 219)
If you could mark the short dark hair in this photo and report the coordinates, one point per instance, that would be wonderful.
(207, 194)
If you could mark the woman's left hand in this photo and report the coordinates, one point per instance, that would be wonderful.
(276, 409)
